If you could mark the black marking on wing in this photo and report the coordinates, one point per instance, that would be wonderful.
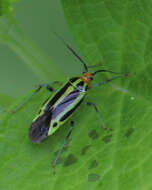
(80, 86)
(55, 124)
(71, 111)
(40, 127)
(75, 93)
(69, 99)
(60, 93)
(72, 96)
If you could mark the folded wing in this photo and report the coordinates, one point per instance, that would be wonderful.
(40, 127)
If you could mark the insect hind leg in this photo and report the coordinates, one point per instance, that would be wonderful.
(98, 113)
(62, 146)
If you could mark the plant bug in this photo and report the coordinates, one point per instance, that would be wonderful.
(57, 109)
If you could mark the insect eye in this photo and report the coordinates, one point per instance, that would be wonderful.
(91, 78)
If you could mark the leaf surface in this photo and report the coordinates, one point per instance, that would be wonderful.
(118, 33)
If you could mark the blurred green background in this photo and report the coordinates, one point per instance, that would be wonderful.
(38, 24)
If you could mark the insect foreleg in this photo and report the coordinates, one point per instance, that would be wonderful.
(98, 113)
(62, 146)
(107, 81)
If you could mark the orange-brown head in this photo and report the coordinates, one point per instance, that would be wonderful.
(87, 77)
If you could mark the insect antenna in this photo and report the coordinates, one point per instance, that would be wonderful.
(99, 71)
(73, 51)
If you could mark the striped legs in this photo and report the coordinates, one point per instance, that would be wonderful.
(98, 113)
(62, 146)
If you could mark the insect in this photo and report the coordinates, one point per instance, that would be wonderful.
(57, 109)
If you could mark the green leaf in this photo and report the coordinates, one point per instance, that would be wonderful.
(6, 6)
(119, 34)
(6, 100)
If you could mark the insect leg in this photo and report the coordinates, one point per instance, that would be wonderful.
(47, 86)
(62, 146)
(107, 81)
(98, 113)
